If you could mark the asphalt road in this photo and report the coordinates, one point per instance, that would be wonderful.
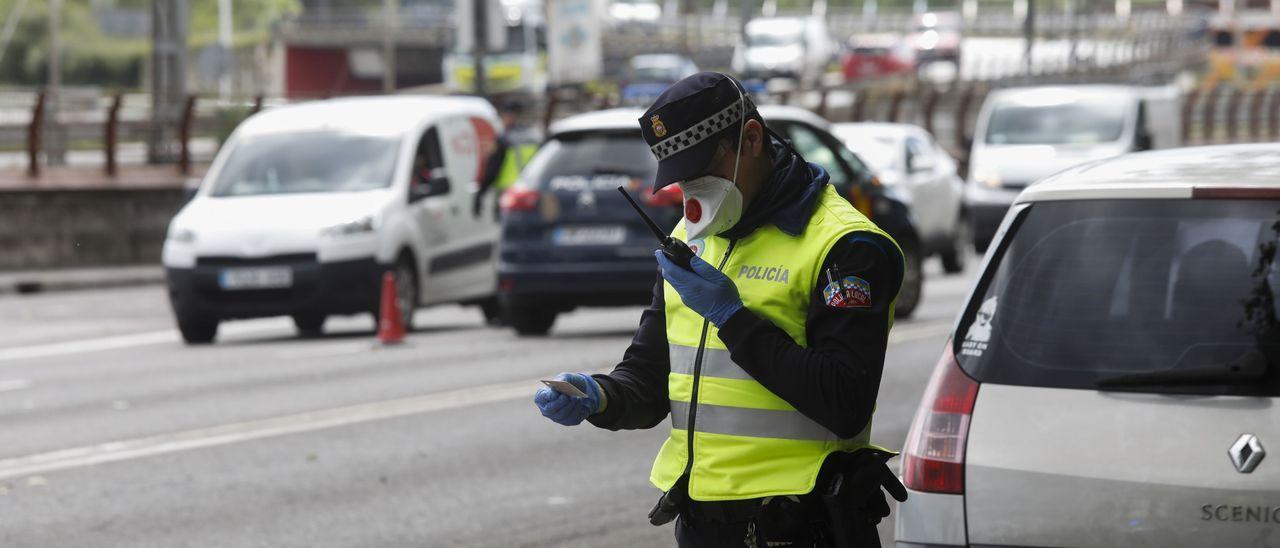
(115, 434)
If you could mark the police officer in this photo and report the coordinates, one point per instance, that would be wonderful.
(767, 353)
(515, 147)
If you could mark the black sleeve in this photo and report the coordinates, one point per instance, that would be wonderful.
(636, 390)
(835, 379)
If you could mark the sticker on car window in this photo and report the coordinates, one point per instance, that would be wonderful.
(979, 334)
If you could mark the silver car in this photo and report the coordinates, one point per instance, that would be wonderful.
(1114, 379)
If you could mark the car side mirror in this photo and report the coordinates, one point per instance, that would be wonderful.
(435, 186)
(1142, 141)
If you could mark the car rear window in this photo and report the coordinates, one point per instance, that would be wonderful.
(592, 155)
(1083, 291)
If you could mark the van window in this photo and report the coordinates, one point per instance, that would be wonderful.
(428, 160)
(286, 163)
(1086, 290)
(1080, 122)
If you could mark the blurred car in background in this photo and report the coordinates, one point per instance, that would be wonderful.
(936, 36)
(885, 205)
(1024, 134)
(632, 12)
(306, 206)
(1114, 379)
(570, 241)
(876, 56)
(800, 48)
(651, 74)
(909, 158)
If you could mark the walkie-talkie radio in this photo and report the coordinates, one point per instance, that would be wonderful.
(674, 249)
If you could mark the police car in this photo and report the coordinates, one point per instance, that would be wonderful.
(306, 206)
(1114, 379)
(569, 240)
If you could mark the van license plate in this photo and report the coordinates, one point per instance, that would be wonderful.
(232, 279)
(590, 235)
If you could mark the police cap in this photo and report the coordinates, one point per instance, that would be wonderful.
(684, 124)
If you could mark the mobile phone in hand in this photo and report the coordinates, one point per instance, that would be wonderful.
(564, 387)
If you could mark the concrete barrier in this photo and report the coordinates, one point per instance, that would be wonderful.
(67, 228)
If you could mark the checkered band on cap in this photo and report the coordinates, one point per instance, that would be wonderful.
(700, 131)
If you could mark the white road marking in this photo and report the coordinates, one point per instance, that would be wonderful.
(77, 457)
(14, 385)
(53, 461)
(88, 345)
(133, 340)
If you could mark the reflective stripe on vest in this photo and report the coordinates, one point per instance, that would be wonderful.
(757, 423)
(746, 441)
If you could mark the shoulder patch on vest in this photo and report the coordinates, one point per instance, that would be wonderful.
(856, 293)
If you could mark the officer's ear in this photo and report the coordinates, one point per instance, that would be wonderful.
(753, 138)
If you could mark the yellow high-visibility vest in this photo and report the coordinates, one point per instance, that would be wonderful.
(748, 442)
(513, 164)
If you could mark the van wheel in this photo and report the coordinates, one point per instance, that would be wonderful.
(492, 312)
(309, 325)
(198, 329)
(912, 284)
(953, 259)
(531, 322)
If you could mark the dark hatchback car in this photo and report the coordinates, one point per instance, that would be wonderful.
(569, 240)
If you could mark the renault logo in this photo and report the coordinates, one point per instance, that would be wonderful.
(1246, 453)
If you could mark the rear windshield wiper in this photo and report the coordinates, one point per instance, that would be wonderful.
(1247, 369)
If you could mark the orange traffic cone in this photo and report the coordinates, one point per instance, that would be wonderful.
(390, 326)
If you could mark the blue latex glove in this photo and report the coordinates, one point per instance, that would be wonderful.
(570, 410)
(706, 290)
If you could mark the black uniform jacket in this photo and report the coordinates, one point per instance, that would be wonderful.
(834, 380)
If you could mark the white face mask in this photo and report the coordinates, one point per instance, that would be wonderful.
(714, 204)
(711, 205)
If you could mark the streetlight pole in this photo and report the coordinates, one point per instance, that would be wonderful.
(53, 146)
(390, 14)
(225, 41)
(1029, 35)
(481, 45)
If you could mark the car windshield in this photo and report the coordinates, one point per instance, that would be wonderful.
(1087, 290)
(773, 37)
(1081, 122)
(656, 72)
(288, 163)
(592, 154)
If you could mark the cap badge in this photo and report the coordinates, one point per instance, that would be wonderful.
(659, 128)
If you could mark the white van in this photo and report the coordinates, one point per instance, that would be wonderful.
(800, 48)
(306, 206)
(1025, 134)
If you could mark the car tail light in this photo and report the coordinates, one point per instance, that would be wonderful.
(669, 195)
(519, 199)
(861, 201)
(933, 460)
